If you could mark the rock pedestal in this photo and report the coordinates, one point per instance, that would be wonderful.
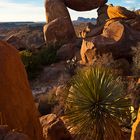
(59, 27)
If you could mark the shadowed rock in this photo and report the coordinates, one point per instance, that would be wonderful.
(17, 107)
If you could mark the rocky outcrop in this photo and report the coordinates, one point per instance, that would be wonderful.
(59, 27)
(17, 108)
(26, 38)
(136, 128)
(81, 5)
(116, 36)
(54, 128)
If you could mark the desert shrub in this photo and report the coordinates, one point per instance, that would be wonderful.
(96, 105)
(34, 61)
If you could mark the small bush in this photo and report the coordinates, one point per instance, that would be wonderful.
(34, 61)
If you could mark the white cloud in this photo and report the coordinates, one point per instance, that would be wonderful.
(10, 11)
(20, 12)
(130, 1)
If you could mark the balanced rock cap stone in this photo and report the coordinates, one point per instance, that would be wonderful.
(84, 5)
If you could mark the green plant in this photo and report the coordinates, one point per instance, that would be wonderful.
(96, 105)
(34, 61)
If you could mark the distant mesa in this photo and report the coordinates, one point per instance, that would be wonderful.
(82, 19)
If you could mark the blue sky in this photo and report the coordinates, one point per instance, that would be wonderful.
(33, 10)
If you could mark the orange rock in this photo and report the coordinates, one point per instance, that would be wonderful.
(119, 12)
(136, 128)
(17, 107)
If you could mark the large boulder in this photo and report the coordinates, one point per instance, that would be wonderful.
(26, 37)
(84, 5)
(116, 37)
(120, 12)
(54, 128)
(59, 30)
(17, 106)
(59, 26)
(136, 128)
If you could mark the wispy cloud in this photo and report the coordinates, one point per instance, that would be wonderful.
(130, 1)
(10, 11)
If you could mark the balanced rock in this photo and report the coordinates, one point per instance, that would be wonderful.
(81, 5)
(17, 106)
(59, 26)
(54, 128)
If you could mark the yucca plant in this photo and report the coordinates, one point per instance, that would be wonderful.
(96, 105)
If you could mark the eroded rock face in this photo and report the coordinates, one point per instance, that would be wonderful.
(120, 12)
(17, 107)
(116, 35)
(54, 128)
(59, 30)
(136, 128)
(84, 5)
(59, 26)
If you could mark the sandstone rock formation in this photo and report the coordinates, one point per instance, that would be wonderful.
(81, 5)
(59, 27)
(17, 107)
(119, 12)
(136, 128)
(117, 35)
(54, 128)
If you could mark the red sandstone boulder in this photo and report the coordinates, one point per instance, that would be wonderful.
(17, 106)
(54, 128)
(84, 5)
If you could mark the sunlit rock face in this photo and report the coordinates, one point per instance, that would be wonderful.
(17, 108)
(84, 5)
(59, 26)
